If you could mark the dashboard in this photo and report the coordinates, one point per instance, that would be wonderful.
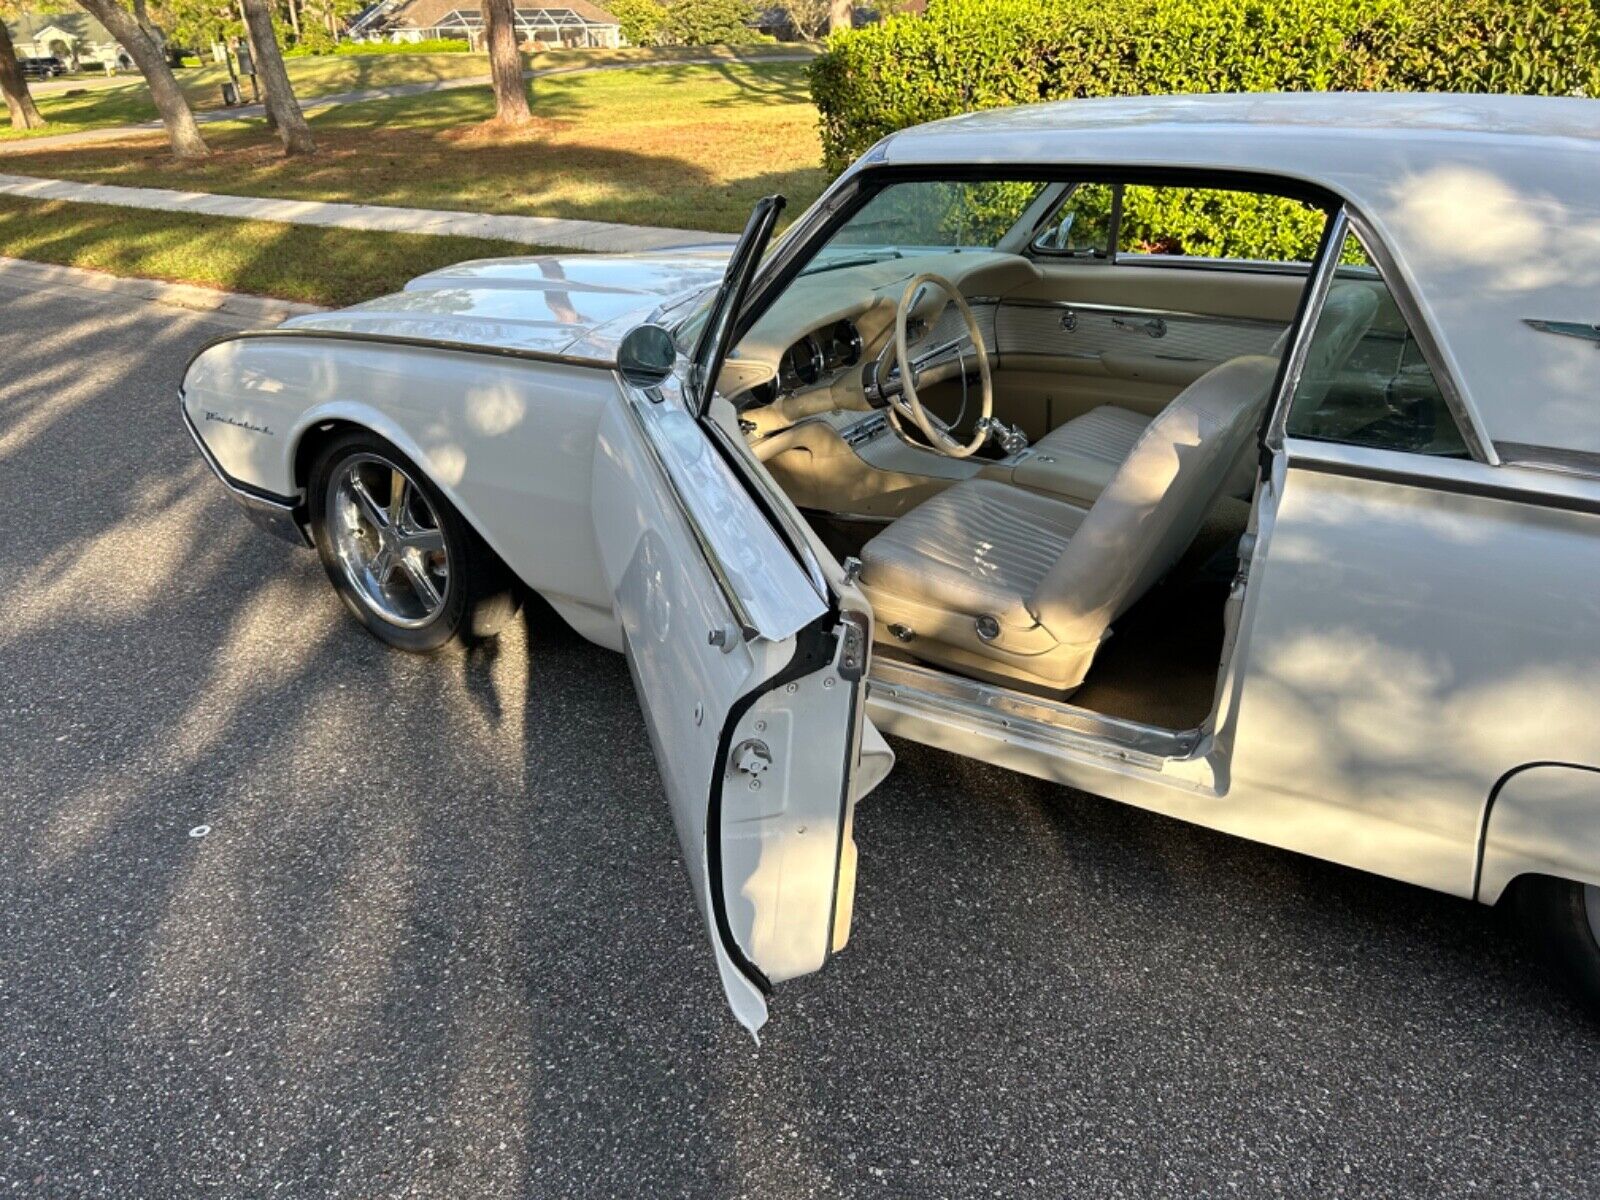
(822, 352)
(806, 352)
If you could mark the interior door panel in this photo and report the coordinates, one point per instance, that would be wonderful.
(1085, 334)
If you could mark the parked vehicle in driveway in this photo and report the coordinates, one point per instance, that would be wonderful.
(42, 68)
(1289, 528)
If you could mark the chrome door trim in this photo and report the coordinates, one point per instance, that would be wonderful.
(1136, 311)
(1515, 484)
(1583, 463)
(736, 605)
(761, 480)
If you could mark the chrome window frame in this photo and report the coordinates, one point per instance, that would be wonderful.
(1115, 256)
(1348, 221)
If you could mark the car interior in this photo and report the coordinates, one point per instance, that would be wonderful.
(1051, 496)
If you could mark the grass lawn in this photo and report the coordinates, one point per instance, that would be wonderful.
(128, 103)
(690, 147)
(292, 262)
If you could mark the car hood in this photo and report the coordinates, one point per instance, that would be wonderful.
(580, 304)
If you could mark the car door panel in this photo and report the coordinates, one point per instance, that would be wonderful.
(750, 685)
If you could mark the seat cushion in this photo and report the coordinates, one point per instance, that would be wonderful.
(1106, 433)
(980, 547)
(1077, 460)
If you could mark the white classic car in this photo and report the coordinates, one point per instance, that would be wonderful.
(1236, 457)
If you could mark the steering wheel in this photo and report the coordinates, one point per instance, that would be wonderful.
(907, 404)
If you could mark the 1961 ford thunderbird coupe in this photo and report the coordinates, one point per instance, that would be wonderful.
(1236, 457)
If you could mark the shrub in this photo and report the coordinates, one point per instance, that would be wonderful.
(972, 54)
(310, 47)
(708, 23)
(642, 21)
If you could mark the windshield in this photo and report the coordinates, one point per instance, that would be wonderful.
(927, 216)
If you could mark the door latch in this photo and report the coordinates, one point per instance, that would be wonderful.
(751, 757)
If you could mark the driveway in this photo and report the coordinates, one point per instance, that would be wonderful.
(436, 940)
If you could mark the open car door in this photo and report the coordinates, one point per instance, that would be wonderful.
(749, 667)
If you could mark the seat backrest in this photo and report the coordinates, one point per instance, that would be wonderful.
(1154, 505)
(1346, 316)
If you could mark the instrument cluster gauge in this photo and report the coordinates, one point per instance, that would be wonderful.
(801, 365)
(843, 346)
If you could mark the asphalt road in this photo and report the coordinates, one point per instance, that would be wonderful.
(437, 941)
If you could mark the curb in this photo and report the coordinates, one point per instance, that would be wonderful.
(262, 310)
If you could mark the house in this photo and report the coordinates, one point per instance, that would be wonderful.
(568, 24)
(72, 36)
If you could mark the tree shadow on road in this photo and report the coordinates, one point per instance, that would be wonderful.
(436, 938)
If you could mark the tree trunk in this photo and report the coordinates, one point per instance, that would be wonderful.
(152, 63)
(278, 93)
(294, 18)
(841, 15)
(19, 101)
(141, 14)
(505, 63)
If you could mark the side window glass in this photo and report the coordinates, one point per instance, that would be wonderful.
(1081, 226)
(1365, 381)
(1216, 223)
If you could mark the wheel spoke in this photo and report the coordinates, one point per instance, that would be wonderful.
(399, 494)
(383, 565)
(370, 508)
(428, 541)
(421, 582)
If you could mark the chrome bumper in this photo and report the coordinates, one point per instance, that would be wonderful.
(278, 515)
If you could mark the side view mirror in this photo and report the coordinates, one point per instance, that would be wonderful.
(646, 356)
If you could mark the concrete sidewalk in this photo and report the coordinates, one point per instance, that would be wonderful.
(531, 231)
(391, 92)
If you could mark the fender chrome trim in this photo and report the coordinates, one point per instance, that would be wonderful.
(421, 343)
(278, 515)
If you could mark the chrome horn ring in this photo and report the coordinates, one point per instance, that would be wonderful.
(387, 539)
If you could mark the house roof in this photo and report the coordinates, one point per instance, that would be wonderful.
(1487, 203)
(426, 14)
(28, 25)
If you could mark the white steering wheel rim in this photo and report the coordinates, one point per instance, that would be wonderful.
(908, 404)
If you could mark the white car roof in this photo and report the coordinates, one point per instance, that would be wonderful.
(1490, 206)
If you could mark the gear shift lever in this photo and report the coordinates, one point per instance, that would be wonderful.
(1009, 438)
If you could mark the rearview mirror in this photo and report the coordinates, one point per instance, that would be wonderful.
(646, 356)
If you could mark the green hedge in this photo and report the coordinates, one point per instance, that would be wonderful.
(972, 54)
(427, 46)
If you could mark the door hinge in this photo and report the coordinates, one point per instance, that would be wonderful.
(853, 646)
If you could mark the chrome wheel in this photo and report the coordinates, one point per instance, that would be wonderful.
(387, 541)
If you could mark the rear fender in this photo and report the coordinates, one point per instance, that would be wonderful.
(1541, 819)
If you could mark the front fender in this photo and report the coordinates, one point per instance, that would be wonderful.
(1541, 819)
(509, 441)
